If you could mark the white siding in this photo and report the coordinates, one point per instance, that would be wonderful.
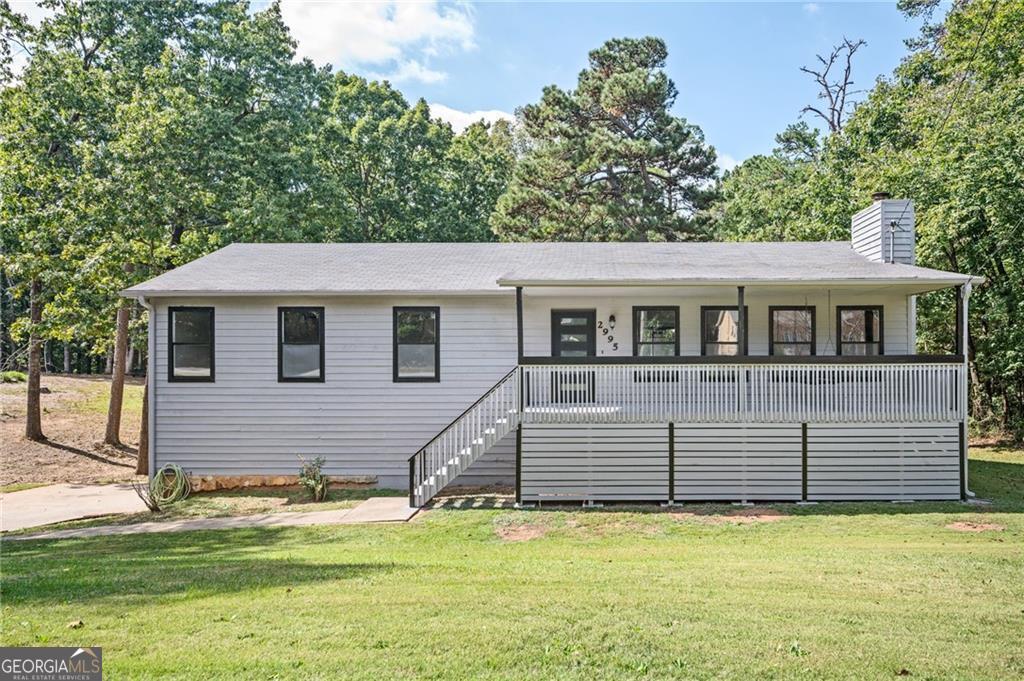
(362, 422)
(871, 235)
(537, 317)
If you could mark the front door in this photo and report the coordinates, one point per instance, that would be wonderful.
(573, 334)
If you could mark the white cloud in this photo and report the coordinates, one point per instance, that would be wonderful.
(396, 37)
(726, 162)
(460, 120)
(812, 7)
(413, 70)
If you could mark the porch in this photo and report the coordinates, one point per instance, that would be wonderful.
(651, 393)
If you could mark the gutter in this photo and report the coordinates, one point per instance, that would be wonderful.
(569, 283)
(188, 293)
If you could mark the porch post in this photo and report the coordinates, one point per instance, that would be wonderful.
(741, 333)
(962, 308)
(519, 321)
(959, 334)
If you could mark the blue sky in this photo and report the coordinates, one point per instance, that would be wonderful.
(736, 64)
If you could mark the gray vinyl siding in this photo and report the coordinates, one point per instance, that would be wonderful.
(364, 424)
(358, 418)
(871, 234)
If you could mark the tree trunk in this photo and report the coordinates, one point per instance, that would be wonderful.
(67, 358)
(108, 367)
(113, 436)
(33, 415)
(142, 465)
(130, 362)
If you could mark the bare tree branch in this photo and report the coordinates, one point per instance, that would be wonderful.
(834, 90)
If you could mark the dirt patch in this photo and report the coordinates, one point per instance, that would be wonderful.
(743, 516)
(523, 532)
(968, 526)
(74, 420)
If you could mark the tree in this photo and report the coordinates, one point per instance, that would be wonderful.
(608, 161)
(947, 130)
(477, 169)
(834, 90)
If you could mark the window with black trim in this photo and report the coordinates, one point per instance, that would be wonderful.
(417, 344)
(791, 331)
(859, 330)
(190, 352)
(656, 331)
(300, 344)
(719, 330)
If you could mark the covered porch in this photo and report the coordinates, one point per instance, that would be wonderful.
(753, 391)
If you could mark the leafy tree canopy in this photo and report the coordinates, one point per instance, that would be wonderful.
(608, 161)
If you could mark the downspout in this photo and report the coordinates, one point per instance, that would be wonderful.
(965, 292)
(151, 380)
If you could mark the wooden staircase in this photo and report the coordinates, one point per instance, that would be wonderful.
(455, 448)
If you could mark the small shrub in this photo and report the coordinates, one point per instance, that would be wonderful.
(312, 477)
(13, 377)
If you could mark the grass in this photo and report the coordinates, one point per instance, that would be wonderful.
(19, 486)
(847, 591)
(96, 398)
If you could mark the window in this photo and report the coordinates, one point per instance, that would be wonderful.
(792, 331)
(859, 330)
(655, 331)
(417, 346)
(190, 344)
(300, 344)
(719, 330)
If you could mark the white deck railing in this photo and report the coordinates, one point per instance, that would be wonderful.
(464, 440)
(750, 392)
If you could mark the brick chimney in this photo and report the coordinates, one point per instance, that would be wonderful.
(884, 231)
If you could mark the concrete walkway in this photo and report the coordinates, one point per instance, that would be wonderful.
(373, 510)
(59, 503)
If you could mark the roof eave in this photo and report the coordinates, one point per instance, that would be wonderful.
(211, 293)
(952, 280)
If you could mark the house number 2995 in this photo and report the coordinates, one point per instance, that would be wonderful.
(606, 332)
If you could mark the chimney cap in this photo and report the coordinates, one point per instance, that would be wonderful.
(881, 196)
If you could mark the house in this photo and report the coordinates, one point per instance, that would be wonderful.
(576, 371)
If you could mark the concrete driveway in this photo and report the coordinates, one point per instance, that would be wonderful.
(58, 503)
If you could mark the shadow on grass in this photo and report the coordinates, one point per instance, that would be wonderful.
(155, 565)
(95, 457)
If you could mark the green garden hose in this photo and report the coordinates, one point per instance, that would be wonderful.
(169, 484)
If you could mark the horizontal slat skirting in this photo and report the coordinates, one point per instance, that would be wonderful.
(879, 462)
(594, 462)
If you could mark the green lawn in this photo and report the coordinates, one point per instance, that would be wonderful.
(829, 591)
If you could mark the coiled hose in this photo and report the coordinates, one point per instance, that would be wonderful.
(169, 485)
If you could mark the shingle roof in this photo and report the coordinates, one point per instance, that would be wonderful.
(486, 267)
